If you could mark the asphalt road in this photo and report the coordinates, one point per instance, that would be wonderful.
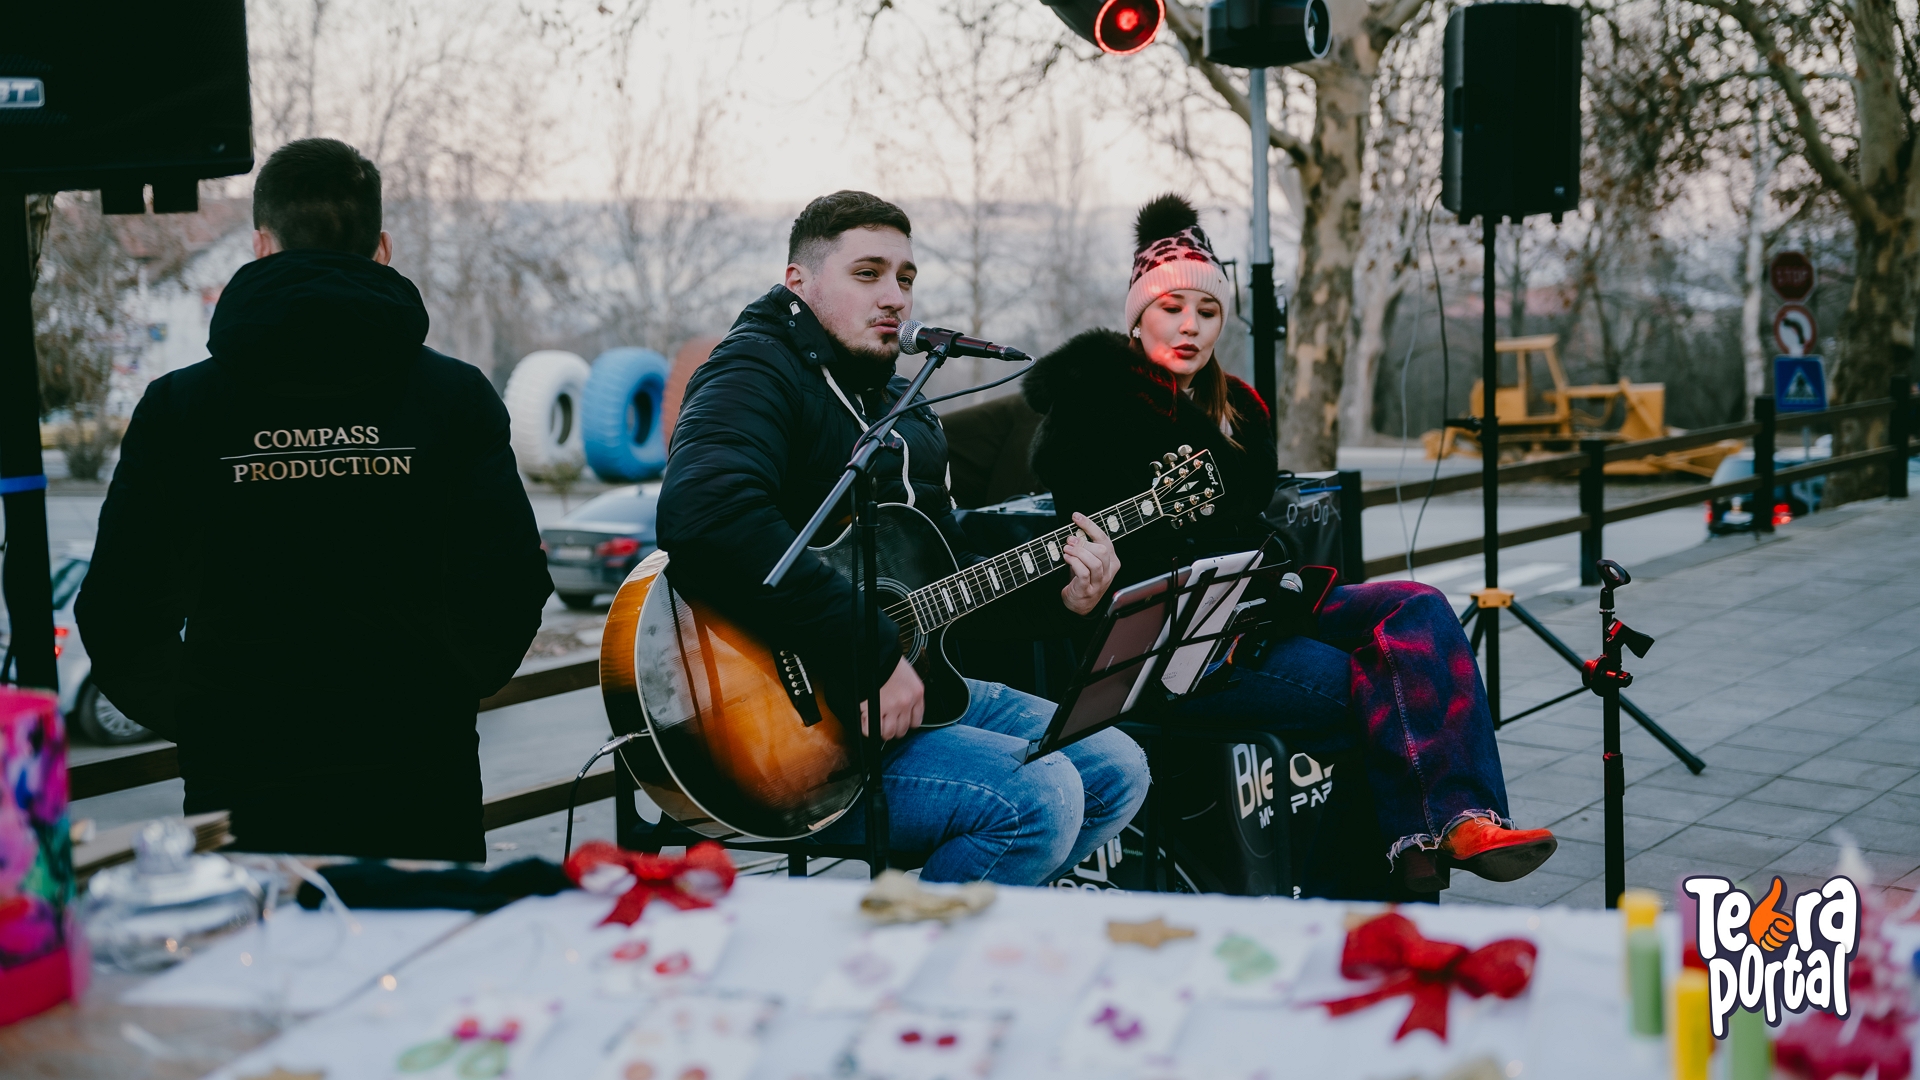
(548, 739)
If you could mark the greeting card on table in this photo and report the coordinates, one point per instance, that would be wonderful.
(925, 1044)
(482, 1038)
(1249, 965)
(706, 1036)
(1125, 1027)
(666, 949)
(1007, 960)
(876, 969)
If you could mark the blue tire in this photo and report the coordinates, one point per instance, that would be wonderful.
(620, 415)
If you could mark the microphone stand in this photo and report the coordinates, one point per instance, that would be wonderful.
(858, 478)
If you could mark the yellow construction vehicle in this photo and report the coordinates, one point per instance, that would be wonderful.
(1539, 416)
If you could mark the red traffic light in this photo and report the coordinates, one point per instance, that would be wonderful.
(1120, 27)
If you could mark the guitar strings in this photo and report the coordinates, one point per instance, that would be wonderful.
(1121, 511)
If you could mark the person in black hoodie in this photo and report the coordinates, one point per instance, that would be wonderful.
(1387, 667)
(765, 429)
(316, 555)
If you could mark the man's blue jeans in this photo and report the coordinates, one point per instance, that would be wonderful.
(962, 794)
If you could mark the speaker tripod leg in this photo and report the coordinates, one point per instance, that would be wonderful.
(1490, 622)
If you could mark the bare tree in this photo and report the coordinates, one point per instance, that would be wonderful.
(1850, 76)
(447, 100)
(1331, 161)
(1403, 176)
(89, 265)
(675, 235)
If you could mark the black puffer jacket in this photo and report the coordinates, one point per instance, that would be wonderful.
(1110, 413)
(332, 513)
(760, 440)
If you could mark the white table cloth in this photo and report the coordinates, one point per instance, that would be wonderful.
(1571, 1022)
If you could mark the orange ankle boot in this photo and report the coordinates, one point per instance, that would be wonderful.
(1497, 854)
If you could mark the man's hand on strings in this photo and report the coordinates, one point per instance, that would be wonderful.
(1089, 555)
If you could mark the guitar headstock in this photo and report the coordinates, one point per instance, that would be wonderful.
(1185, 485)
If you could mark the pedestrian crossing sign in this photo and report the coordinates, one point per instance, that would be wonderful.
(1799, 384)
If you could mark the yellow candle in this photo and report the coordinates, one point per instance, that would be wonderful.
(1692, 1031)
(1641, 907)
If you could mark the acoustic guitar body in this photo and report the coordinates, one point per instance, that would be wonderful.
(742, 741)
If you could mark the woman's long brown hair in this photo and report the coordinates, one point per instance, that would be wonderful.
(1209, 392)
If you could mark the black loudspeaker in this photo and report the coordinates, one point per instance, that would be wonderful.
(119, 94)
(1512, 111)
(1267, 33)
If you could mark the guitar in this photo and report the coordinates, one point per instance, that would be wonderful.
(741, 742)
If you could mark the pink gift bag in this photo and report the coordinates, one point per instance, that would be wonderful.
(43, 959)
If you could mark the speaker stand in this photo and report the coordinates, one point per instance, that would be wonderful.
(1483, 615)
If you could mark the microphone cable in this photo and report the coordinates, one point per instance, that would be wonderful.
(903, 408)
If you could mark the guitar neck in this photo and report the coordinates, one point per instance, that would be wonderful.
(971, 589)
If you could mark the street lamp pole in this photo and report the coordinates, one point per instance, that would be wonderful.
(1266, 311)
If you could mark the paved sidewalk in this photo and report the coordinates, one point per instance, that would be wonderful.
(1791, 666)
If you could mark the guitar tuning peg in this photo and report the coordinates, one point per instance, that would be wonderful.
(1208, 493)
(1207, 510)
(1170, 458)
(1186, 451)
(1158, 469)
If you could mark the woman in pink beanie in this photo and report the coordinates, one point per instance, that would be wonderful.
(1382, 669)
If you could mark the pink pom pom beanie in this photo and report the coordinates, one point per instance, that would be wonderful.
(1171, 252)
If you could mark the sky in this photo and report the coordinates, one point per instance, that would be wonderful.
(790, 74)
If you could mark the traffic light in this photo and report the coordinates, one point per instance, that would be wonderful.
(1267, 33)
(1119, 27)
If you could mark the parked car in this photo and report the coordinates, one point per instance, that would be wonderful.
(1730, 514)
(90, 716)
(590, 551)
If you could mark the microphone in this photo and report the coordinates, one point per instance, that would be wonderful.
(918, 337)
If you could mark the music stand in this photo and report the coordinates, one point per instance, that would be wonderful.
(1149, 628)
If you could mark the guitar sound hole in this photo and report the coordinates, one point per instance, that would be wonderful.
(913, 641)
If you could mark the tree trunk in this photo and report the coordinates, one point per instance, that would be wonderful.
(1379, 301)
(1877, 340)
(1875, 344)
(1322, 314)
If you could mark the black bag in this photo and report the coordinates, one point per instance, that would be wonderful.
(1237, 822)
(1306, 513)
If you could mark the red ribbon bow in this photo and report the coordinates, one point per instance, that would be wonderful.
(695, 880)
(1391, 946)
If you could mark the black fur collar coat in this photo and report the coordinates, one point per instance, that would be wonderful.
(1110, 413)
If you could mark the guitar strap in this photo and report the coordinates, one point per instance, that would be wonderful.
(906, 454)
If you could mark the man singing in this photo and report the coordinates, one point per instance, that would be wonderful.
(316, 555)
(766, 427)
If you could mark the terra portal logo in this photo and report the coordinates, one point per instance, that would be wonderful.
(1773, 955)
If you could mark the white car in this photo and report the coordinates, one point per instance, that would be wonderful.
(89, 714)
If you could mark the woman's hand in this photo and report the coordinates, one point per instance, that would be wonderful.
(1090, 557)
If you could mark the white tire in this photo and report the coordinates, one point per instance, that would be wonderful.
(543, 408)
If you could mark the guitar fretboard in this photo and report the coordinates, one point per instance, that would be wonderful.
(940, 603)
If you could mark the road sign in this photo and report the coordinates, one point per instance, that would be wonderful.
(1794, 329)
(1799, 384)
(1792, 276)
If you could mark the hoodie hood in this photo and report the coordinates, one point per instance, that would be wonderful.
(316, 322)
